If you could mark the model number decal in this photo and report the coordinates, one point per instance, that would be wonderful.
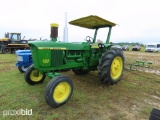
(45, 60)
(49, 48)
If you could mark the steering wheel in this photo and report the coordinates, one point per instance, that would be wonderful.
(89, 39)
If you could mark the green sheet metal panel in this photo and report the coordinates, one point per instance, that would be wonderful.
(59, 45)
(44, 58)
(92, 22)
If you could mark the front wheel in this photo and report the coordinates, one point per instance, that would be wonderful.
(111, 66)
(58, 91)
(22, 69)
(33, 76)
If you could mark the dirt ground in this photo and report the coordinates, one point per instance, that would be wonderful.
(132, 56)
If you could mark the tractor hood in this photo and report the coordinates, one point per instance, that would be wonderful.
(50, 45)
(4, 39)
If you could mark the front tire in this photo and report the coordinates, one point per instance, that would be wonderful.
(58, 91)
(33, 76)
(22, 69)
(111, 66)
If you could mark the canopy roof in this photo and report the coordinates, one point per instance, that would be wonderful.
(15, 33)
(92, 22)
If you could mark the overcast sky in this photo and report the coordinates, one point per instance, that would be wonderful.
(138, 20)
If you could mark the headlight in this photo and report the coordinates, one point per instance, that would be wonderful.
(19, 58)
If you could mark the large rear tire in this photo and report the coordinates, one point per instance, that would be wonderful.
(111, 65)
(6, 50)
(58, 91)
(33, 76)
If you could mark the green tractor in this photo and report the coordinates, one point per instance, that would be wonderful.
(50, 57)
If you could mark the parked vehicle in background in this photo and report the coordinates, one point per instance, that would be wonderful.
(152, 48)
(117, 46)
(125, 47)
(136, 48)
(13, 42)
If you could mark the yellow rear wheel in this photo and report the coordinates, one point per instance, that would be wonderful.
(116, 67)
(111, 64)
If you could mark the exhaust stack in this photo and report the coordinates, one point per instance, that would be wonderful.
(54, 31)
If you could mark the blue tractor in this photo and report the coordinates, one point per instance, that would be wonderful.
(24, 60)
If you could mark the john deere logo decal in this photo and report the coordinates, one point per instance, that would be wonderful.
(45, 60)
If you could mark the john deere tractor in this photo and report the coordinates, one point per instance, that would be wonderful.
(50, 57)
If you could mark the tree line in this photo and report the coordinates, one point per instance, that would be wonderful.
(127, 43)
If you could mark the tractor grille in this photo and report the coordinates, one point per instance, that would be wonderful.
(57, 58)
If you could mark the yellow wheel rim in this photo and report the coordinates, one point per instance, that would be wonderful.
(116, 67)
(61, 92)
(36, 76)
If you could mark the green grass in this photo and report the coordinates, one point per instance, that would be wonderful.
(132, 98)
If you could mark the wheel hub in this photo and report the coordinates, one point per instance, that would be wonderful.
(36, 76)
(24, 68)
(61, 92)
(116, 67)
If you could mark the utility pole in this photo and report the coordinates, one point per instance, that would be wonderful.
(65, 34)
